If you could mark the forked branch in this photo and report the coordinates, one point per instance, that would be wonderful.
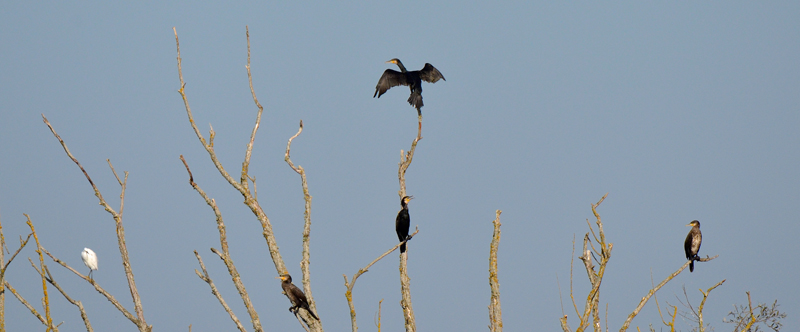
(226, 259)
(349, 285)
(242, 184)
(140, 322)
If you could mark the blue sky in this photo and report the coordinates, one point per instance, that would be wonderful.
(679, 112)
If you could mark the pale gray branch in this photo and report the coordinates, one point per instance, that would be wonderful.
(140, 322)
(205, 277)
(349, 293)
(226, 258)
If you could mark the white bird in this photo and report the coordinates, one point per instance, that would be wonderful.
(90, 260)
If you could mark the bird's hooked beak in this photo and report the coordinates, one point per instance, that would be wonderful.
(280, 277)
(392, 61)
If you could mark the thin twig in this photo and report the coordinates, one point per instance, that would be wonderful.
(205, 277)
(77, 303)
(46, 299)
(349, 293)
(654, 290)
(97, 287)
(25, 303)
(226, 258)
(140, 322)
(405, 160)
(752, 317)
(703, 302)
(241, 187)
(306, 260)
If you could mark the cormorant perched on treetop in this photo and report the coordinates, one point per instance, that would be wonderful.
(403, 222)
(413, 79)
(692, 243)
(295, 295)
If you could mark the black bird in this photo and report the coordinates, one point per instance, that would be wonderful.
(295, 295)
(403, 222)
(692, 243)
(413, 79)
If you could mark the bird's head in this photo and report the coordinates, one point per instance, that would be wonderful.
(694, 223)
(405, 200)
(285, 277)
(394, 61)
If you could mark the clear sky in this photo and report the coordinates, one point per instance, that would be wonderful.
(680, 112)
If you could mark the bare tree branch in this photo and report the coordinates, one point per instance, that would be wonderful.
(46, 299)
(97, 287)
(654, 290)
(77, 303)
(25, 303)
(123, 248)
(226, 259)
(405, 160)
(495, 313)
(246, 163)
(205, 277)
(3, 268)
(671, 324)
(703, 303)
(591, 307)
(379, 315)
(349, 293)
(306, 261)
(242, 186)
(405, 281)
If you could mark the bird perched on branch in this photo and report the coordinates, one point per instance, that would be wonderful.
(692, 243)
(403, 222)
(295, 295)
(90, 260)
(413, 79)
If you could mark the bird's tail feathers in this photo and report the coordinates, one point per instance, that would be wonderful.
(312, 314)
(415, 100)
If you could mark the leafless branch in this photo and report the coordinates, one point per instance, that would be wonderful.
(25, 303)
(305, 262)
(671, 324)
(46, 297)
(495, 313)
(205, 277)
(246, 163)
(379, 315)
(349, 293)
(702, 304)
(654, 290)
(226, 259)
(591, 306)
(242, 185)
(405, 281)
(405, 160)
(77, 303)
(123, 248)
(3, 268)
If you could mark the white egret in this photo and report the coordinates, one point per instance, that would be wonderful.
(90, 260)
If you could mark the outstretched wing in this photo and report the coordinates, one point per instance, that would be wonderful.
(430, 74)
(389, 79)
